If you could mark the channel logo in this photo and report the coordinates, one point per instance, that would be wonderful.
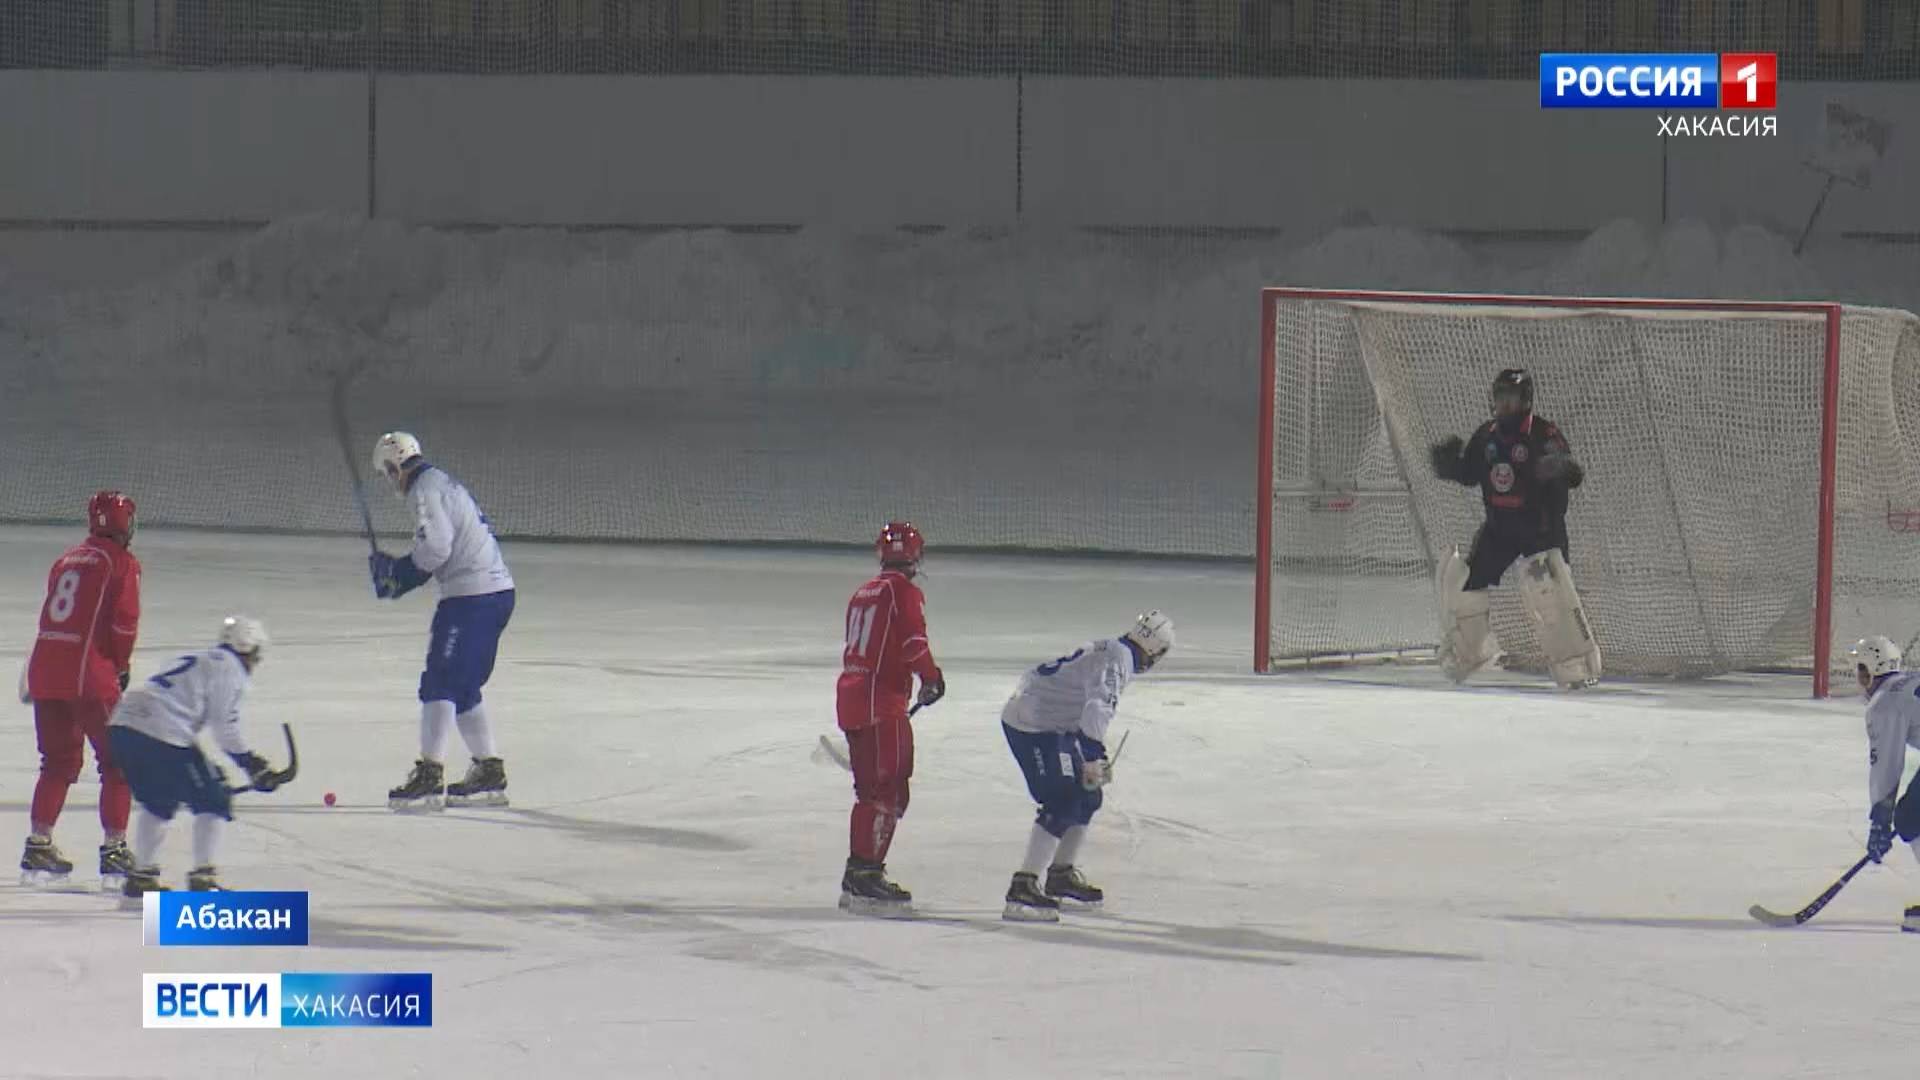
(1658, 80)
(292, 999)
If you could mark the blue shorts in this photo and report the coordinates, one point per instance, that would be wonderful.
(1051, 761)
(466, 638)
(163, 775)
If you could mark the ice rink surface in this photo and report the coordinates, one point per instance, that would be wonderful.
(1361, 873)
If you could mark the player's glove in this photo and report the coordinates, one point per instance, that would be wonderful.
(1446, 457)
(1880, 831)
(1096, 774)
(394, 577)
(259, 773)
(932, 690)
(125, 678)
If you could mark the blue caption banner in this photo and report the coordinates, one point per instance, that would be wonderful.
(1629, 80)
(329, 999)
(224, 918)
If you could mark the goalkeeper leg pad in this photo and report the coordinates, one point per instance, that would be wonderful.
(1466, 628)
(1546, 588)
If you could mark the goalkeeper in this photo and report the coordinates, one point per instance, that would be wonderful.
(1524, 470)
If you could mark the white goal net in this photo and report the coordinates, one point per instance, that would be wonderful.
(1752, 498)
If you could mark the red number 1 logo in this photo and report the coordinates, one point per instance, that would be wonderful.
(1748, 80)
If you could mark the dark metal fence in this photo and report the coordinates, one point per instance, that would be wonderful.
(1833, 39)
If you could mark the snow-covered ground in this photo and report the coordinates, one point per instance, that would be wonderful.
(1358, 872)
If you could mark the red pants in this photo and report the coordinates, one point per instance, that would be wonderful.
(62, 727)
(882, 757)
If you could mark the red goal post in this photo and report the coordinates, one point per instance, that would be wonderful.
(1696, 420)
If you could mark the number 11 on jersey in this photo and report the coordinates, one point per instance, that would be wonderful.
(860, 629)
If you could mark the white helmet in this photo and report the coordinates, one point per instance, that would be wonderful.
(1879, 655)
(1152, 634)
(391, 454)
(244, 635)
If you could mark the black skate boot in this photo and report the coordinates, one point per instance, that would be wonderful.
(204, 879)
(485, 784)
(1911, 924)
(425, 788)
(42, 864)
(865, 890)
(141, 881)
(1067, 884)
(1026, 903)
(116, 860)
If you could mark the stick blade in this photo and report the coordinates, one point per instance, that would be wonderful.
(1772, 918)
(826, 750)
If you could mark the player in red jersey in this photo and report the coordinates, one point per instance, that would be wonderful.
(886, 647)
(74, 678)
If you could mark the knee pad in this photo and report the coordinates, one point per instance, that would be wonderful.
(1546, 589)
(61, 765)
(887, 799)
(1466, 620)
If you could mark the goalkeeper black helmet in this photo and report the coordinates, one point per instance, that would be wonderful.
(1513, 385)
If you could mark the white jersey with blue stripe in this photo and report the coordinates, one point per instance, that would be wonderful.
(1893, 724)
(1078, 692)
(452, 539)
(197, 691)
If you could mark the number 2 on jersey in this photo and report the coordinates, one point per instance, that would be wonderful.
(164, 680)
(860, 629)
(66, 592)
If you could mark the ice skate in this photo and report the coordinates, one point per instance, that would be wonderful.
(116, 861)
(1911, 924)
(1069, 886)
(485, 784)
(425, 788)
(141, 881)
(865, 890)
(204, 879)
(42, 864)
(1026, 903)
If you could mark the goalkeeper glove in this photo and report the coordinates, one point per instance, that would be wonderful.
(1446, 458)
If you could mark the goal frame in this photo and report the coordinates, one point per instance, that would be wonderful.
(1271, 297)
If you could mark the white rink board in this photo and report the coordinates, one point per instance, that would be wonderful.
(1360, 872)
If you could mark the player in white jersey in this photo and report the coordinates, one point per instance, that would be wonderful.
(154, 733)
(1893, 724)
(453, 544)
(1056, 726)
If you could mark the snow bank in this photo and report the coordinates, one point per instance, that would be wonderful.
(1033, 388)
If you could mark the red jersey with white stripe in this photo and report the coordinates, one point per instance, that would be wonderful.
(87, 625)
(886, 647)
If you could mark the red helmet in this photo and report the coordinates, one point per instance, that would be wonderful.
(110, 514)
(900, 544)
